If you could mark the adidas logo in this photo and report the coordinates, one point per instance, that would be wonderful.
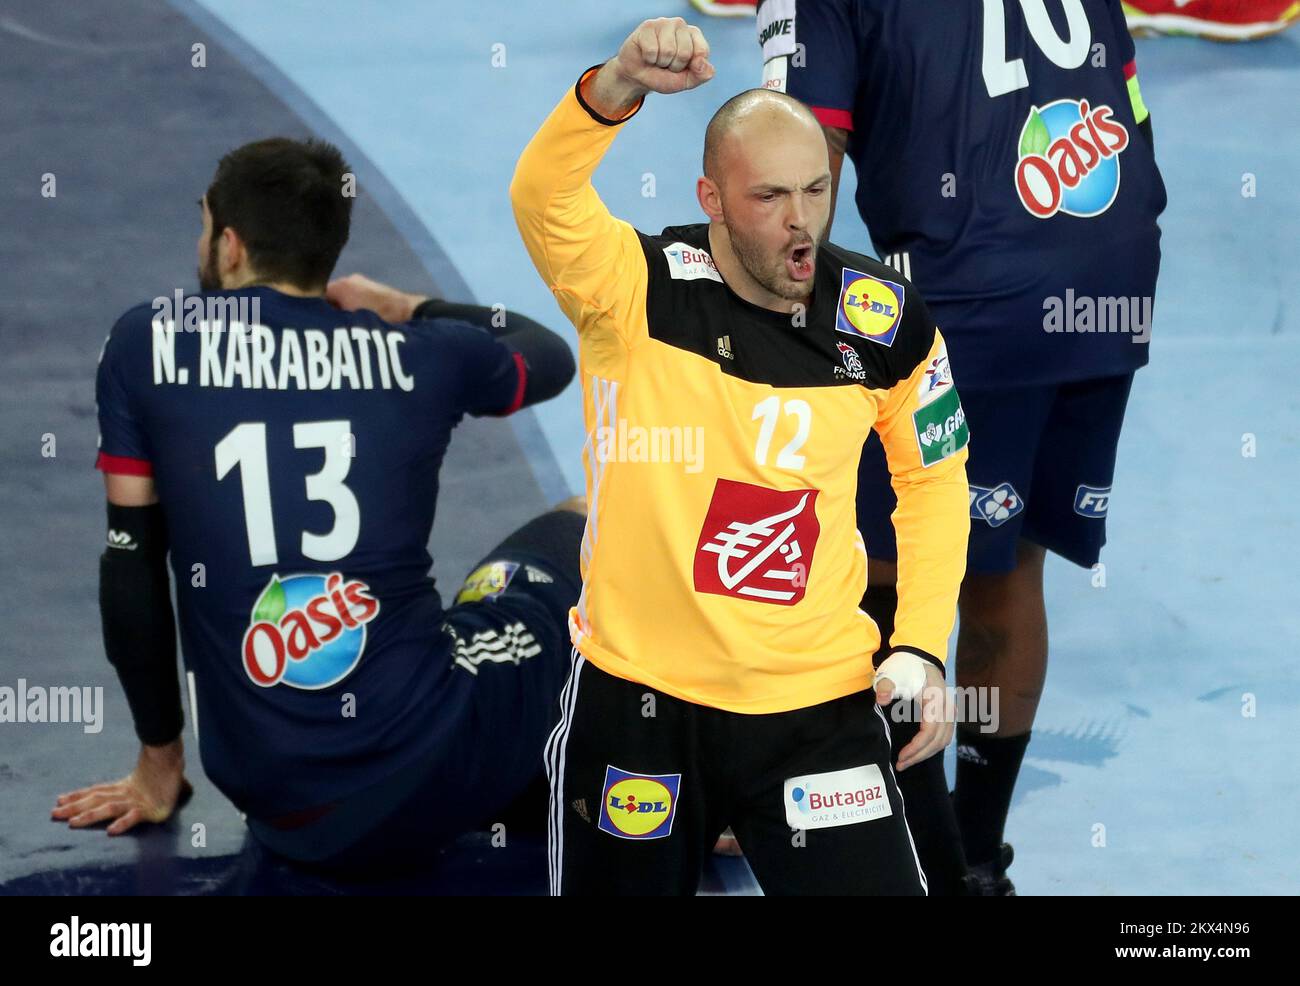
(724, 347)
(580, 806)
(901, 262)
(537, 575)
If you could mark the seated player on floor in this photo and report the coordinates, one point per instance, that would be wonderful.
(286, 455)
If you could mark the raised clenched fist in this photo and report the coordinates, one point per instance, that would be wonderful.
(664, 55)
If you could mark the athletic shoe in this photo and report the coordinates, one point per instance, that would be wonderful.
(989, 879)
(1218, 20)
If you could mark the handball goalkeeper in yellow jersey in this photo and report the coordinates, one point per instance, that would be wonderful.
(731, 370)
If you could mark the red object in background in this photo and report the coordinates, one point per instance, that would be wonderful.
(1218, 20)
(726, 8)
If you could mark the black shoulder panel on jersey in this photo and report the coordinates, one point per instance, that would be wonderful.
(688, 306)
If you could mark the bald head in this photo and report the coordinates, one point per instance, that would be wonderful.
(755, 114)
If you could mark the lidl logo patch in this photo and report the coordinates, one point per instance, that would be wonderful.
(487, 581)
(869, 307)
(638, 806)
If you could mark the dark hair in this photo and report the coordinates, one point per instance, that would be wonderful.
(285, 200)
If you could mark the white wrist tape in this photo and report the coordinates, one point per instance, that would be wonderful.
(906, 671)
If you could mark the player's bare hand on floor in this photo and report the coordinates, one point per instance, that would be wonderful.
(150, 793)
(357, 291)
(937, 708)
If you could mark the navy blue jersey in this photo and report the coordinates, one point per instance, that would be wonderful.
(296, 450)
(1000, 167)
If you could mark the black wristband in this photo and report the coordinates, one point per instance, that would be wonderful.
(577, 91)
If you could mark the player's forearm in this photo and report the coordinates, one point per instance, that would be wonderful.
(610, 93)
(932, 524)
(138, 625)
(837, 142)
(548, 359)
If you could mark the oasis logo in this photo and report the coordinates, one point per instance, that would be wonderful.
(1068, 159)
(307, 631)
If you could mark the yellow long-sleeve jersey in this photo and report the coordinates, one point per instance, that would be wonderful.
(721, 560)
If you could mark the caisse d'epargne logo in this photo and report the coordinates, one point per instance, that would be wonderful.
(307, 631)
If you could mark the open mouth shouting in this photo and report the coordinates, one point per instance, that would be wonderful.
(800, 261)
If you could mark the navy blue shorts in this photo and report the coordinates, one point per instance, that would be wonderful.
(1041, 464)
(506, 635)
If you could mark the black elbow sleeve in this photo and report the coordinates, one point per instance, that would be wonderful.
(136, 614)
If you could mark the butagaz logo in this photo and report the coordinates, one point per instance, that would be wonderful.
(121, 540)
(841, 797)
(1069, 159)
(724, 347)
(995, 505)
(869, 307)
(307, 631)
(757, 543)
(1092, 501)
(686, 263)
(940, 427)
(638, 806)
(937, 379)
(852, 363)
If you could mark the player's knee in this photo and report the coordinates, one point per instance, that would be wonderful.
(978, 644)
(1023, 694)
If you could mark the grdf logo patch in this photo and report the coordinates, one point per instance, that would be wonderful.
(940, 427)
